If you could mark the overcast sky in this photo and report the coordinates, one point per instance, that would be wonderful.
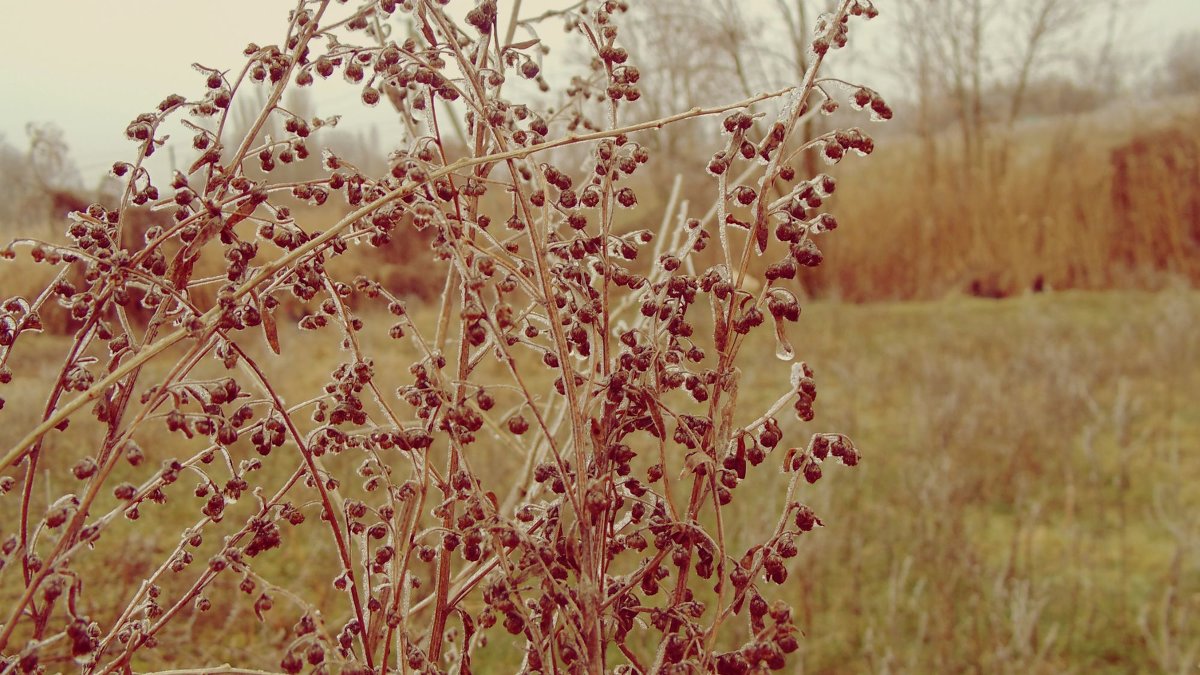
(92, 66)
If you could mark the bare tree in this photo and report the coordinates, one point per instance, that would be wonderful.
(730, 45)
(1181, 70)
(681, 73)
(50, 159)
(948, 37)
(980, 58)
(41, 182)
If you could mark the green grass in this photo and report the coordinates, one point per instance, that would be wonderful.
(1015, 454)
(1027, 500)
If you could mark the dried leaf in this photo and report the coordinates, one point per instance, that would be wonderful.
(270, 330)
(244, 211)
(696, 461)
(660, 427)
(524, 44)
(262, 605)
(790, 460)
(741, 455)
(748, 560)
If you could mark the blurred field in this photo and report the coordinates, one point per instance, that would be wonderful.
(1027, 500)
(1029, 503)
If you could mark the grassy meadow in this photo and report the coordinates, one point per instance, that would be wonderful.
(1027, 501)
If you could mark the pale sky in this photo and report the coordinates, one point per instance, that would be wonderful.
(92, 66)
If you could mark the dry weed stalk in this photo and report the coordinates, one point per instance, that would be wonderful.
(620, 402)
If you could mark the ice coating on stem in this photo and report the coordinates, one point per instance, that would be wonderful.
(783, 346)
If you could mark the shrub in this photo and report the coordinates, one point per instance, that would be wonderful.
(555, 461)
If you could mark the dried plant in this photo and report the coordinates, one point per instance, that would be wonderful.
(605, 381)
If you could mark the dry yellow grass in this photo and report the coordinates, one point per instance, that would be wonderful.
(1094, 202)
